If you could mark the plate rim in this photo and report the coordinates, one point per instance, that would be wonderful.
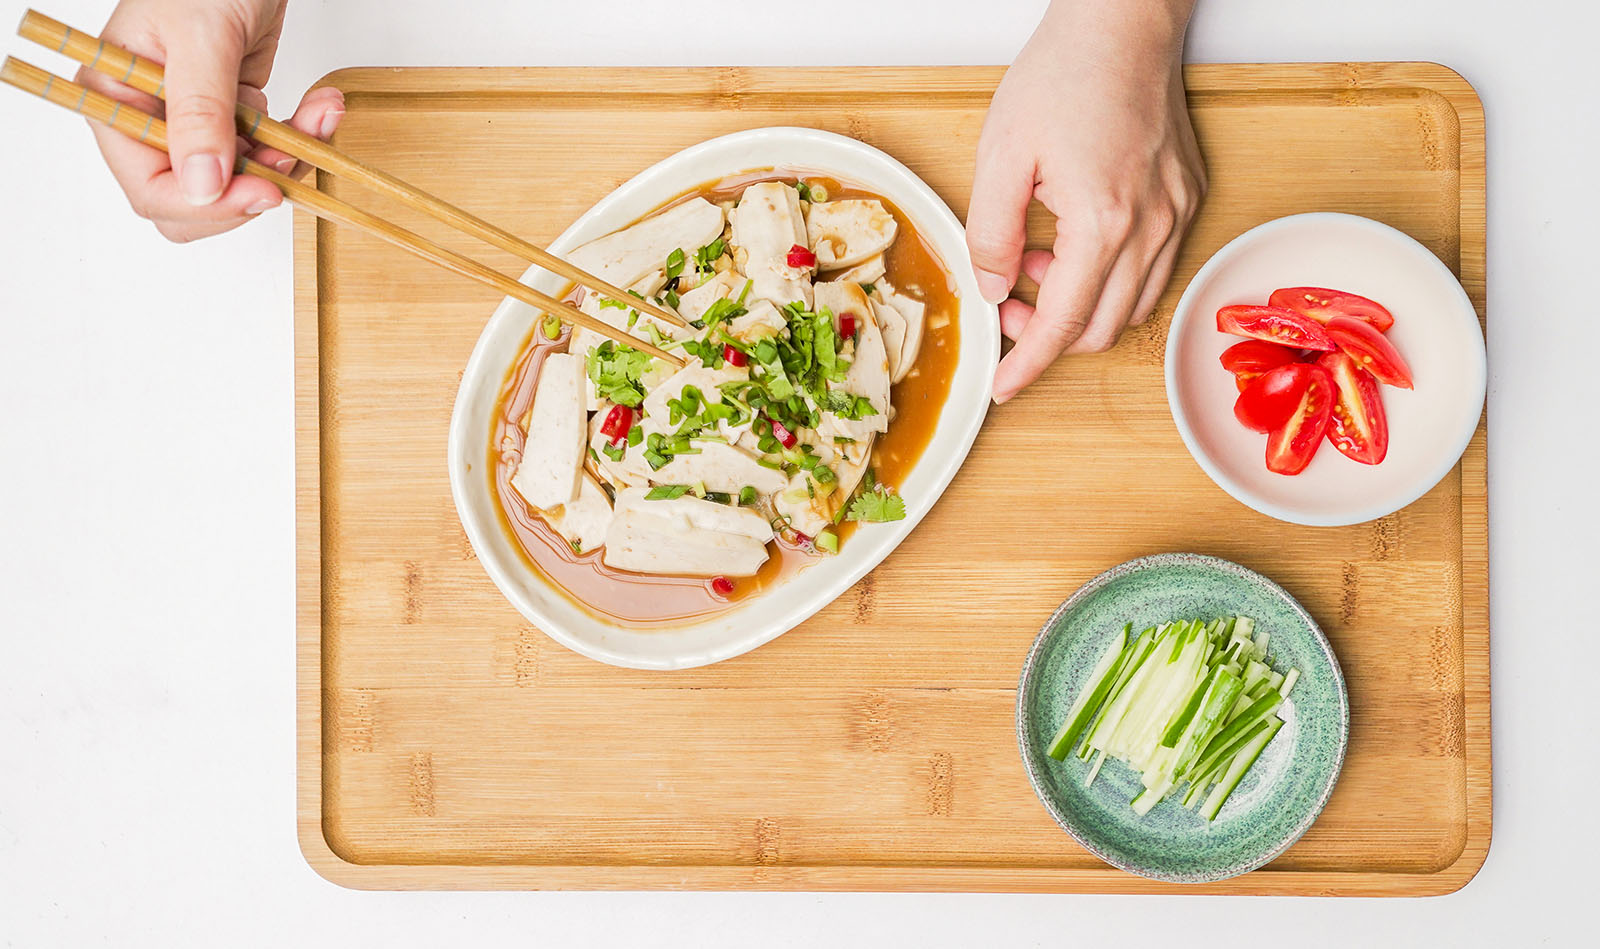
(1027, 682)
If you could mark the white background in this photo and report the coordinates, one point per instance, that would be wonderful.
(146, 508)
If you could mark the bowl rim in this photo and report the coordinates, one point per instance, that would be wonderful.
(985, 346)
(1027, 682)
(1183, 312)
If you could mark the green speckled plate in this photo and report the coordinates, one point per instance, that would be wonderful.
(1278, 798)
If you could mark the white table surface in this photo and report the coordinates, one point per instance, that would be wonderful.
(146, 510)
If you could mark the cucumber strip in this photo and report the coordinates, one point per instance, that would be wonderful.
(1289, 679)
(1149, 798)
(1230, 739)
(1220, 754)
(1247, 756)
(1175, 730)
(1098, 761)
(1090, 696)
(1225, 690)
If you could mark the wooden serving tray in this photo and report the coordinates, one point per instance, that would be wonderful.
(444, 742)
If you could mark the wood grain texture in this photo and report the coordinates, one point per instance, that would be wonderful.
(445, 743)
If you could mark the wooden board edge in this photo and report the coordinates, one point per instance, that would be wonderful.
(733, 81)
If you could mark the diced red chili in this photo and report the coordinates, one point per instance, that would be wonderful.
(801, 539)
(618, 421)
(721, 586)
(734, 357)
(847, 326)
(785, 437)
(800, 258)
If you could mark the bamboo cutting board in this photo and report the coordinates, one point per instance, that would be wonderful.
(443, 742)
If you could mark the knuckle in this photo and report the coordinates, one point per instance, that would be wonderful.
(197, 110)
(988, 244)
(1111, 218)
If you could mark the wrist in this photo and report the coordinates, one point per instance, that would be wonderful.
(1138, 29)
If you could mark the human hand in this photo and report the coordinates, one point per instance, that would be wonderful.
(215, 52)
(1091, 119)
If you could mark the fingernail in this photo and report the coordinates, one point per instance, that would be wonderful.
(330, 121)
(993, 287)
(265, 204)
(284, 164)
(201, 179)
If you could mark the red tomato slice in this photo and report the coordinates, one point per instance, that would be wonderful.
(1371, 350)
(1359, 428)
(1291, 445)
(1267, 402)
(1249, 359)
(1323, 305)
(1275, 324)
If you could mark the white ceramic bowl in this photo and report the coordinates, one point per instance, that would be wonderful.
(762, 618)
(1435, 329)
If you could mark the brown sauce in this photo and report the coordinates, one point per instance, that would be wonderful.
(641, 600)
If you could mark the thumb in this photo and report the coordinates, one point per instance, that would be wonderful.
(202, 86)
(997, 221)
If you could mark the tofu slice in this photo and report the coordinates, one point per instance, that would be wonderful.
(631, 470)
(810, 514)
(585, 520)
(667, 537)
(694, 304)
(766, 224)
(870, 270)
(699, 513)
(914, 313)
(869, 367)
(720, 467)
(893, 327)
(552, 457)
(849, 232)
(627, 256)
(694, 374)
(759, 322)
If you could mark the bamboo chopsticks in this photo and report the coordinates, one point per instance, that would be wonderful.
(141, 74)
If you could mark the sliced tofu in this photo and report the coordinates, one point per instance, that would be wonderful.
(552, 457)
(914, 313)
(762, 320)
(631, 470)
(664, 537)
(585, 520)
(868, 375)
(870, 270)
(766, 224)
(627, 256)
(700, 513)
(849, 232)
(694, 304)
(811, 513)
(720, 467)
(893, 327)
(694, 374)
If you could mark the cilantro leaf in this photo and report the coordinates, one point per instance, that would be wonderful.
(666, 492)
(877, 506)
(675, 263)
(615, 370)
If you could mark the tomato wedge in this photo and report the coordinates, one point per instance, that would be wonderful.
(1371, 350)
(1249, 359)
(1359, 428)
(1323, 305)
(1269, 400)
(1292, 444)
(1275, 324)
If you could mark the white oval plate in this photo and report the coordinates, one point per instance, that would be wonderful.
(763, 618)
(1435, 328)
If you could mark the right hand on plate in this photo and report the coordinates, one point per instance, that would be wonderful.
(216, 53)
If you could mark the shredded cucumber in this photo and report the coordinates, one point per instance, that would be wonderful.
(1188, 701)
